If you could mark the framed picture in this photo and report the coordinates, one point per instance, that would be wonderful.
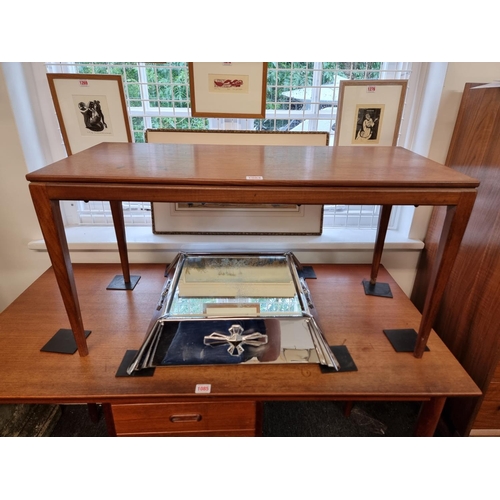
(90, 108)
(225, 218)
(237, 137)
(369, 112)
(228, 89)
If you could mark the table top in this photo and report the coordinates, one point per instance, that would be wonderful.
(252, 166)
(119, 321)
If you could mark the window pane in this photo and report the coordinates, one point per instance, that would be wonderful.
(300, 96)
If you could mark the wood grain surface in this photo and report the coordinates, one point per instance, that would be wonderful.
(227, 165)
(119, 319)
(183, 419)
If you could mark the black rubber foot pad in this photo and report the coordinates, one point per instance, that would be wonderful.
(403, 340)
(127, 359)
(63, 342)
(118, 283)
(343, 357)
(378, 289)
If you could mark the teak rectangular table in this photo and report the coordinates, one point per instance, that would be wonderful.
(383, 176)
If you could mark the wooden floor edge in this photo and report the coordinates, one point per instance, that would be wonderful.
(484, 433)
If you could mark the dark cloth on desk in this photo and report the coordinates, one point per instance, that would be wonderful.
(188, 345)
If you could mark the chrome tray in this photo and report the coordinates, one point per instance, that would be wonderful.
(232, 309)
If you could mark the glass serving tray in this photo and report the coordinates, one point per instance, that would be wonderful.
(233, 309)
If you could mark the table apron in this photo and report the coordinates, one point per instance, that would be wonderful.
(259, 194)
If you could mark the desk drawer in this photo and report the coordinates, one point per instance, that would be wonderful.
(186, 419)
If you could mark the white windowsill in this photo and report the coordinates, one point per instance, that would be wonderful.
(142, 239)
(89, 244)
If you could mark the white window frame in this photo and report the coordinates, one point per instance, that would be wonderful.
(74, 213)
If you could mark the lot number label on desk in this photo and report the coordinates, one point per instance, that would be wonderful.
(203, 388)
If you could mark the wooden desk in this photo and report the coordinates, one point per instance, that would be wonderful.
(143, 405)
(233, 174)
(119, 172)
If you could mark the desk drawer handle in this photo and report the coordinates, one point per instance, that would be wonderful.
(194, 417)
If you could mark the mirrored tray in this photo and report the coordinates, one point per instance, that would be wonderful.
(233, 309)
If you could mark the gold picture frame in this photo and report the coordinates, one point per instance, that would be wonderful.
(369, 112)
(90, 109)
(228, 89)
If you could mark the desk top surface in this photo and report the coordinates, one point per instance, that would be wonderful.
(119, 320)
(216, 165)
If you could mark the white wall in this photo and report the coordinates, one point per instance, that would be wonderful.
(19, 266)
(457, 75)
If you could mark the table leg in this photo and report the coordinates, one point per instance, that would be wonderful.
(259, 408)
(348, 405)
(119, 223)
(108, 416)
(428, 417)
(454, 227)
(49, 216)
(94, 414)
(383, 222)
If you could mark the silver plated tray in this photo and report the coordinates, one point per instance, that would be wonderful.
(233, 309)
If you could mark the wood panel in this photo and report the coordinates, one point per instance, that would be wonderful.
(469, 316)
(488, 416)
(496, 375)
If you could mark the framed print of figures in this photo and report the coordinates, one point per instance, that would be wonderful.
(90, 108)
(228, 89)
(369, 112)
